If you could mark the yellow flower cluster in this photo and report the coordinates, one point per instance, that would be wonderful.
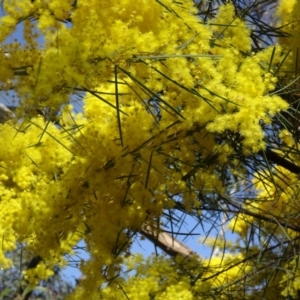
(158, 87)
(155, 277)
(162, 278)
(277, 199)
(288, 12)
(277, 195)
(35, 275)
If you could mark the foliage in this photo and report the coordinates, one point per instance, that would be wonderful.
(188, 107)
(13, 286)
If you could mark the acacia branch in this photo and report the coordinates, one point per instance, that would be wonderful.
(280, 161)
(166, 242)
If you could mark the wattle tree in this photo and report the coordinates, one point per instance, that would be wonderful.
(129, 112)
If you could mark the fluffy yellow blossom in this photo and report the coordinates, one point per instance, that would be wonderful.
(40, 272)
(161, 92)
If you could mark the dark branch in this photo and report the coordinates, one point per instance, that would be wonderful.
(280, 161)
